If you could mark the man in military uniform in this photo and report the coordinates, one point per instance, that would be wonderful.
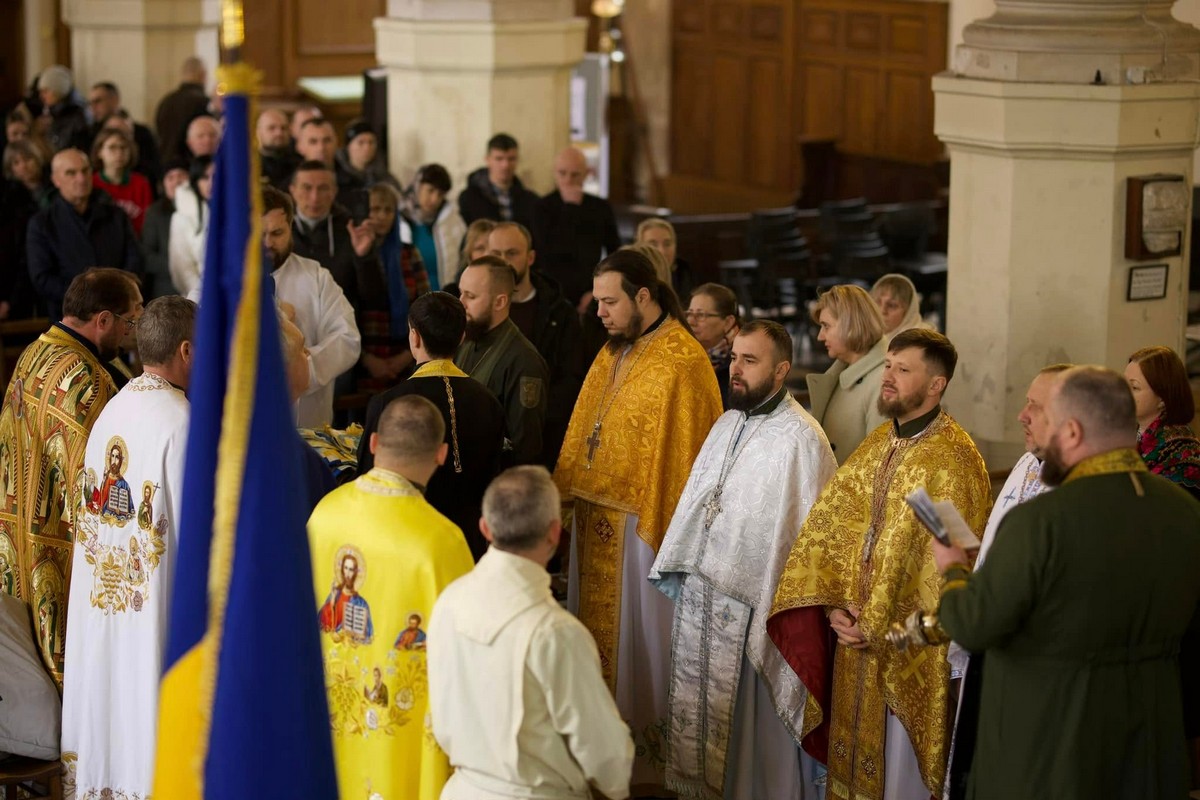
(497, 355)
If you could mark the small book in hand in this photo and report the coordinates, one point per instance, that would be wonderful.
(943, 520)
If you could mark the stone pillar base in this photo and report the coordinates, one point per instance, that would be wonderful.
(451, 85)
(140, 45)
(1037, 234)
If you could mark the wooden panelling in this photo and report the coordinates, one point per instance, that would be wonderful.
(729, 123)
(767, 127)
(754, 80)
(692, 111)
(821, 96)
(324, 28)
(292, 39)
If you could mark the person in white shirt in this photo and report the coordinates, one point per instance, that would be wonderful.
(516, 697)
(323, 314)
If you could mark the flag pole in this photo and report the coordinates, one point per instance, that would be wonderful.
(233, 31)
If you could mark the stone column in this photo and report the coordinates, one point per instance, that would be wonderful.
(1039, 162)
(461, 70)
(140, 45)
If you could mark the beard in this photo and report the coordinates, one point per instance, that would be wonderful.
(477, 328)
(1054, 471)
(746, 397)
(278, 259)
(901, 405)
(627, 335)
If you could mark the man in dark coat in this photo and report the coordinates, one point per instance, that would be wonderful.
(551, 324)
(275, 155)
(324, 232)
(494, 191)
(1080, 608)
(499, 356)
(474, 418)
(81, 229)
(180, 107)
(574, 230)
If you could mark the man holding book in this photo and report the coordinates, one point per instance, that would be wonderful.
(862, 560)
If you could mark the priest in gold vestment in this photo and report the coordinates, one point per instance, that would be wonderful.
(59, 386)
(646, 407)
(863, 560)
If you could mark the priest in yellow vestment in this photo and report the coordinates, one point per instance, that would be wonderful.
(863, 560)
(646, 407)
(59, 386)
(381, 556)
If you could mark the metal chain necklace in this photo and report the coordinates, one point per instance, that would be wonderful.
(593, 440)
(453, 425)
(712, 508)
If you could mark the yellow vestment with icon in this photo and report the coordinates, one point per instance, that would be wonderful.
(381, 556)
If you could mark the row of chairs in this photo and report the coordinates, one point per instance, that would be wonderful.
(782, 272)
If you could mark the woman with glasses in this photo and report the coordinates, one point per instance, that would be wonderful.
(844, 397)
(713, 316)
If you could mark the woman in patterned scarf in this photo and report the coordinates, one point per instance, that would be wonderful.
(1165, 407)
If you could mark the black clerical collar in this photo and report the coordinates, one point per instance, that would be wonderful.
(915, 426)
(79, 337)
(768, 405)
(657, 324)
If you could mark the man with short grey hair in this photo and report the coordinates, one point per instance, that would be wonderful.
(126, 538)
(508, 664)
(1080, 608)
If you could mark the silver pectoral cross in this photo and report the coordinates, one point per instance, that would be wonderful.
(712, 508)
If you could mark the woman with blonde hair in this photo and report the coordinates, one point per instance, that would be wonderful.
(475, 242)
(662, 267)
(844, 398)
(1164, 405)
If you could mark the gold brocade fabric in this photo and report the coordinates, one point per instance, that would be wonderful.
(57, 391)
(862, 546)
(600, 540)
(439, 368)
(666, 402)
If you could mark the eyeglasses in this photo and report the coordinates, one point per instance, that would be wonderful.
(130, 324)
(702, 314)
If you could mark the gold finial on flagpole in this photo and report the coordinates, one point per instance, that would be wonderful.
(233, 31)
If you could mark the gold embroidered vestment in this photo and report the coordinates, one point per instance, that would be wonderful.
(861, 546)
(56, 393)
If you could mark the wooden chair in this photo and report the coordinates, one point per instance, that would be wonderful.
(37, 778)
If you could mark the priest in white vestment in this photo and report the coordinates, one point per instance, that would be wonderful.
(323, 314)
(735, 707)
(1023, 484)
(125, 545)
(516, 696)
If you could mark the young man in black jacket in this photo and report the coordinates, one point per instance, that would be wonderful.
(494, 191)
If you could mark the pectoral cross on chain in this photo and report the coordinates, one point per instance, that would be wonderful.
(711, 509)
(593, 442)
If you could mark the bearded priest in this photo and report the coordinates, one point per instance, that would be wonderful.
(758, 474)
(862, 559)
(647, 404)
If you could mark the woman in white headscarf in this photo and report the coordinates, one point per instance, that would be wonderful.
(899, 304)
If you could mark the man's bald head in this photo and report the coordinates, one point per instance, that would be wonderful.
(203, 136)
(570, 171)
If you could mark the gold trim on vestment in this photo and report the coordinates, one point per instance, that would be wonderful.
(1113, 462)
(439, 368)
(600, 545)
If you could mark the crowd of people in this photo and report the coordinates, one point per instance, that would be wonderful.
(752, 610)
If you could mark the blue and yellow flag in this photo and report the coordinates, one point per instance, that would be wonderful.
(242, 711)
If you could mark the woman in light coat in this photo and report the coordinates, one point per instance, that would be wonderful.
(845, 396)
